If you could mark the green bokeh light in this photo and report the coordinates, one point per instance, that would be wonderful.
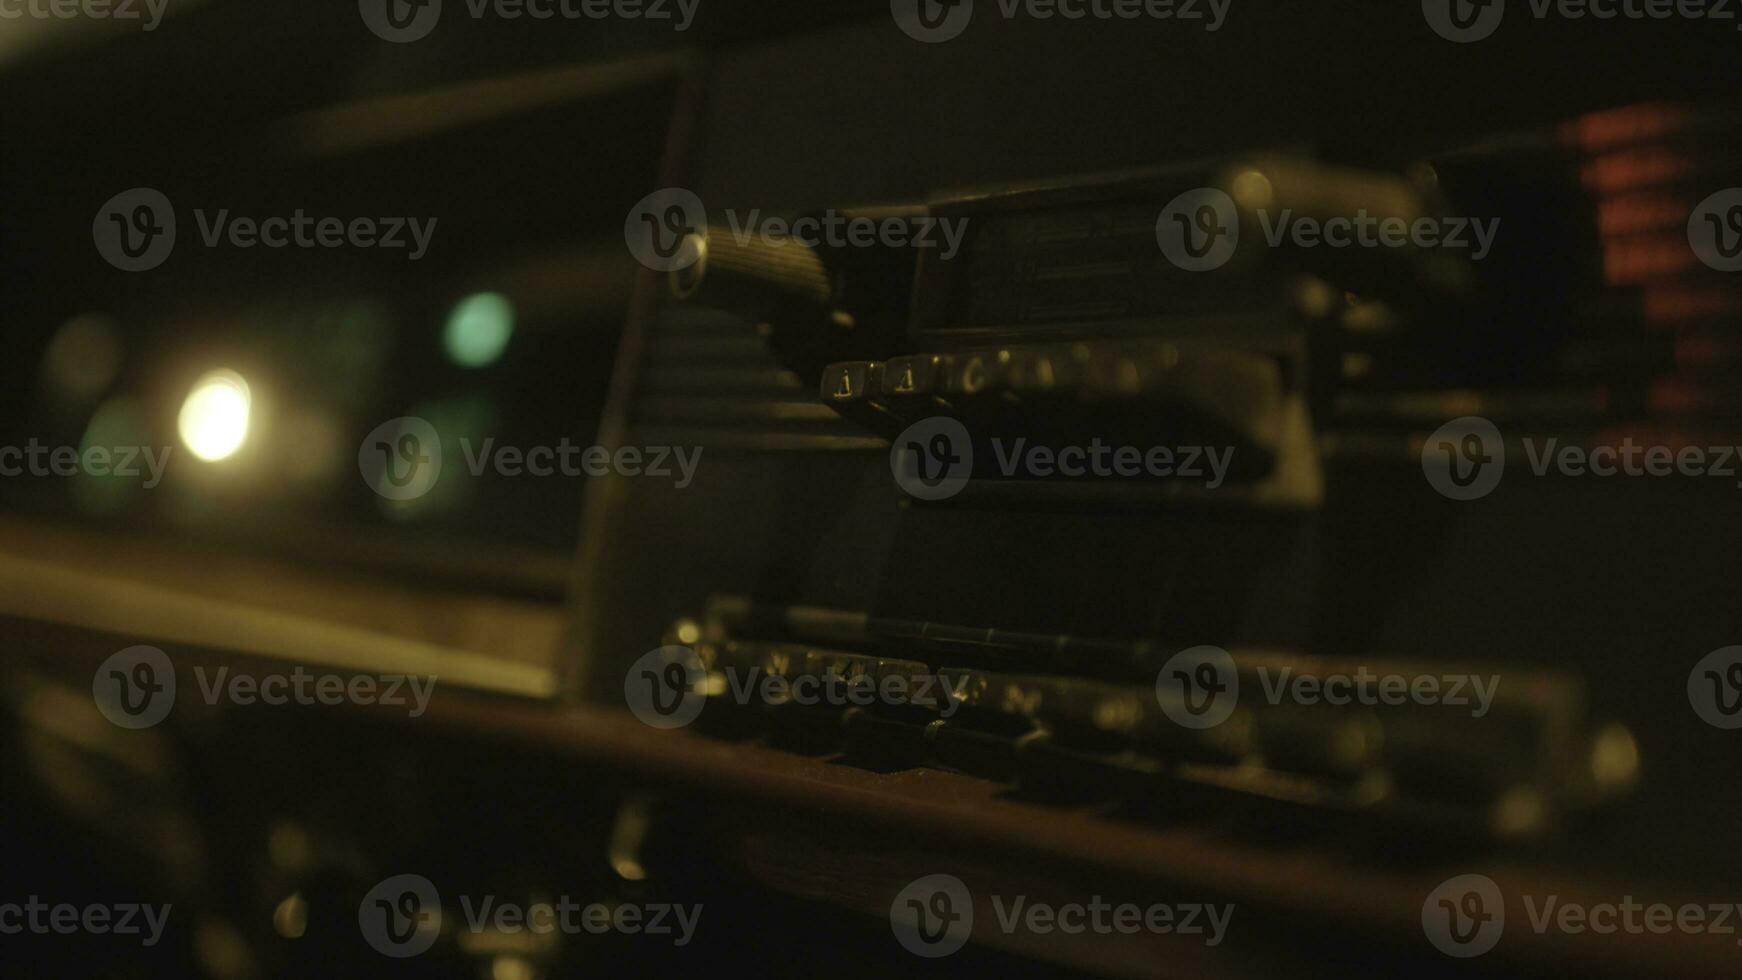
(478, 329)
(118, 425)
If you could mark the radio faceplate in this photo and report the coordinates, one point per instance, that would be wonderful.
(801, 503)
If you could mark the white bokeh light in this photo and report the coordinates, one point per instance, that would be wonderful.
(214, 418)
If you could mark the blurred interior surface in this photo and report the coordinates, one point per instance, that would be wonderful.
(435, 463)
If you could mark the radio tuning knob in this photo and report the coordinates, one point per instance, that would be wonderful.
(759, 278)
(780, 282)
